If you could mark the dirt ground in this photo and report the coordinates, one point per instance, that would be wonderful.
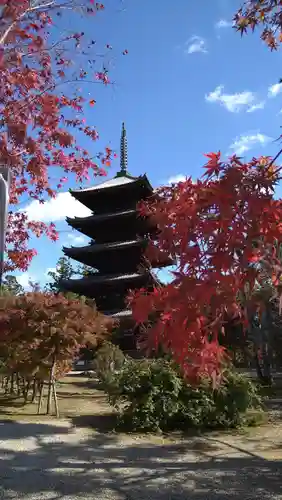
(79, 456)
(77, 395)
(81, 401)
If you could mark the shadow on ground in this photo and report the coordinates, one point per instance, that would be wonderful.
(105, 423)
(56, 462)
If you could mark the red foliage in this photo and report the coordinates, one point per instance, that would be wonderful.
(214, 228)
(42, 107)
(36, 327)
(266, 14)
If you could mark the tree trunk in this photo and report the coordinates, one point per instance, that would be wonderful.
(18, 383)
(258, 367)
(50, 385)
(34, 390)
(40, 397)
(55, 399)
(12, 383)
(26, 391)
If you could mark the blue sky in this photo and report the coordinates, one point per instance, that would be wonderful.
(189, 85)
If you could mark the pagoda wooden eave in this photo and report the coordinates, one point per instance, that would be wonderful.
(92, 220)
(126, 313)
(100, 283)
(94, 254)
(98, 248)
(116, 183)
(116, 188)
(106, 226)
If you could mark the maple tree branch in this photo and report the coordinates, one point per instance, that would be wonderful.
(27, 11)
(52, 87)
(274, 159)
(41, 50)
(48, 5)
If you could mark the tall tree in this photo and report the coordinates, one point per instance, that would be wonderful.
(41, 333)
(216, 229)
(43, 70)
(12, 286)
(216, 234)
(64, 270)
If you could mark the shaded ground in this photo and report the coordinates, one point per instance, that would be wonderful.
(44, 458)
(77, 396)
(58, 461)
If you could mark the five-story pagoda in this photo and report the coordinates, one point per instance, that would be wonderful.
(119, 236)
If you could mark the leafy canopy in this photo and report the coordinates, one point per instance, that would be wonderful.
(216, 229)
(36, 327)
(43, 69)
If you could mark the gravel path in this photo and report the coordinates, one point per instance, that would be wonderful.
(54, 460)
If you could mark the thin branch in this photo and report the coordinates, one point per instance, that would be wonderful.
(27, 11)
(274, 160)
(55, 85)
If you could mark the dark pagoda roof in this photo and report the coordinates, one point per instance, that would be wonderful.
(124, 191)
(96, 219)
(114, 190)
(119, 255)
(126, 313)
(119, 236)
(124, 224)
(96, 254)
(100, 283)
(117, 182)
(96, 248)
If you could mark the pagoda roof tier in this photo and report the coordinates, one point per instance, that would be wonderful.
(104, 227)
(93, 286)
(127, 313)
(107, 255)
(121, 192)
(122, 256)
(97, 219)
(124, 314)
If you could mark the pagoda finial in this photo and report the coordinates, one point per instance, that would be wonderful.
(123, 151)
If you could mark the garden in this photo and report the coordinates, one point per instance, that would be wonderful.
(223, 304)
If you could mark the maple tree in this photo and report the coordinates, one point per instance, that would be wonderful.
(43, 68)
(218, 229)
(42, 333)
(264, 14)
(224, 233)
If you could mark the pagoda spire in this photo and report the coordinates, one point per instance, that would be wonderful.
(123, 152)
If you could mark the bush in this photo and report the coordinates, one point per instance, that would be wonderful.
(108, 360)
(151, 395)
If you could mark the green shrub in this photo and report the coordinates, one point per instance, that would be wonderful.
(152, 395)
(108, 360)
(235, 396)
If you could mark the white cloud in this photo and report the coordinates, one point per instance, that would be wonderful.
(255, 107)
(244, 143)
(76, 239)
(50, 270)
(232, 102)
(24, 279)
(55, 209)
(274, 89)
(196, 44)
(223, 23)
(176, 178)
